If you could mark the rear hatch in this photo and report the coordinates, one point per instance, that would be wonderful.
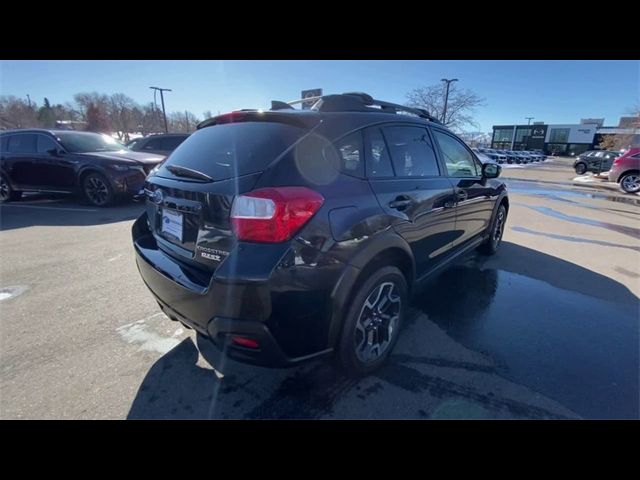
(189, 197)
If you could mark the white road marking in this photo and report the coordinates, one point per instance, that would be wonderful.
(50, 208)
(138, 333)
(115, 258)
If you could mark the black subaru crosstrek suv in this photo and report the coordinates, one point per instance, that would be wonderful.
(287, 234)
(93, 165)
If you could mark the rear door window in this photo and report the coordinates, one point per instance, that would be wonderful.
(233, 149)
(411, 151)
(22, 143)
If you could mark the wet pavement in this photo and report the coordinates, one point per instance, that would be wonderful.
(546, 329)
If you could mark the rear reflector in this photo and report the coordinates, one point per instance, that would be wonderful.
(245, 342)
(272, 215)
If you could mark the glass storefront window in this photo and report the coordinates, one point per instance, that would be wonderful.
(559, 135)
(521, 133)
(577, 148)
(503, 135)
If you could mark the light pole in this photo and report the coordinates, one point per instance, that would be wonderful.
(449, 81)
(164, 113)
(529, 120)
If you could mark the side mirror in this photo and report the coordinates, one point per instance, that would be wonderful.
(491, 170)
(55, 152)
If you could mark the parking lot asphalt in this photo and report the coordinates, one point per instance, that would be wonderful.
(547, 328)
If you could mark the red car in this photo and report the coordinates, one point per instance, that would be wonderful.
(626, 171)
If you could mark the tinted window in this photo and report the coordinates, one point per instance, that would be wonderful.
(351, 152)
(153, 144)
(378, 160)
(232, 149)
(637, 155)
(89, 142)
(45, 144)
(411, 151)
(171, 143)
(458, 159)
(23, 143)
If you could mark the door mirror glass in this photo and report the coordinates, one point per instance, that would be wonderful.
(491, 170)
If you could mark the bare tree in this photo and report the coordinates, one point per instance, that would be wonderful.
(121, 113)
(17, 113)
(182, 122)
(460, 105)
(625, 140)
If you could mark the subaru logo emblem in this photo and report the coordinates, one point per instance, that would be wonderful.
(157, 197)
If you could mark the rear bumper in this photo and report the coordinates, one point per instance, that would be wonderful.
(220, 307)
(614, 174)
(220, 330)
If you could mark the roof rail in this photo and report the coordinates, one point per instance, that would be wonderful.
(354, 101)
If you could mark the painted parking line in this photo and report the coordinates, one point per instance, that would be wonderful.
(52, 208)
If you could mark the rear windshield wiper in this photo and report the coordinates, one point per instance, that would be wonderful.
(188, 173)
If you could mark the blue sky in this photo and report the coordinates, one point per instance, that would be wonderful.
(552, 91)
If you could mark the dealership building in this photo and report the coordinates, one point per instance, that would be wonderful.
(570, 139)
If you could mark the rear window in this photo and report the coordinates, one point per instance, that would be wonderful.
(233, 149)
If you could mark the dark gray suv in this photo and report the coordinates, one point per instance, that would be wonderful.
(285, 234)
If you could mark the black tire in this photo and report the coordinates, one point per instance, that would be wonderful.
(361, 322)
(630, 182)
(491, 244)
(8, 194)
(581, 168)
(97, 190)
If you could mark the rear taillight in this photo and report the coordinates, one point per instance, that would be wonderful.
(246, 342)
(617, 161)
(272, 215)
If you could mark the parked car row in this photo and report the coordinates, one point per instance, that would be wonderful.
(513, 156)
(92, 165)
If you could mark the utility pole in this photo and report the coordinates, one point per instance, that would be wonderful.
(29, 100)
(448, 81)
(529, 120)
(186, 117)
(164, 113)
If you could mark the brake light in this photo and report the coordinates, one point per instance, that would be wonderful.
(245, 342)
(272, 215)
(617, 161)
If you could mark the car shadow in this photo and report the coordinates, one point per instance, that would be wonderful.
(478, 335)
(39, 209)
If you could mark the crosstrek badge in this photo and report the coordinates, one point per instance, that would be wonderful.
(212, 253)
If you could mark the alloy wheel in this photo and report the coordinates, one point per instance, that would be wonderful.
(498, 229)
(631, 183)
(377, 323)
(97, 191)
